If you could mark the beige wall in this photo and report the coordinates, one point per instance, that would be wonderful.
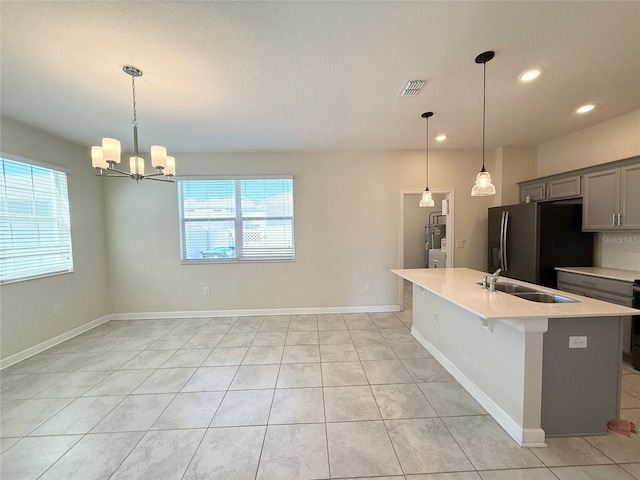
(26, 307)
(513, 165)
(613, 140)
(606, 142)
(347, 224)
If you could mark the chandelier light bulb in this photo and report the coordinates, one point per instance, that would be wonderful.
(111, 150)
(97, 158)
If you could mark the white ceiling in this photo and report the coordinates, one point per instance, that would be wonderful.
(269, 76)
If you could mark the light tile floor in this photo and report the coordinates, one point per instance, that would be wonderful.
(277, 397)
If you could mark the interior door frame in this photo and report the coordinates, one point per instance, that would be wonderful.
(450, 250)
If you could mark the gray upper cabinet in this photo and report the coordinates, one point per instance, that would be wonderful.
(535, 192)
(630, 197)
(567, 187)
(552, 189)
(611, 199)
(600, 200)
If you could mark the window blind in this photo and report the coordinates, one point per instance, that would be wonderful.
(35, 233)
(236, 219)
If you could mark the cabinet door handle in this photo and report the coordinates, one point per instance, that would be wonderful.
(619, 215)
(613, 219)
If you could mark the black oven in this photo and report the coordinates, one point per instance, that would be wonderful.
(635, 327)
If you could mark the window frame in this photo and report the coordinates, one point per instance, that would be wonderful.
(66, 172)
(237, 220)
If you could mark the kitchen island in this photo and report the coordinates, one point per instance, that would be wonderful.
(514, 357)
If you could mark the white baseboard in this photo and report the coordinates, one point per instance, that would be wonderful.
(41, 347)
(254, 312)
(526, 437)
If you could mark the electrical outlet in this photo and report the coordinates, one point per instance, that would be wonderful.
(56, 309)
(577, 342)
(435, 317)
(367, 287)
(207, 290)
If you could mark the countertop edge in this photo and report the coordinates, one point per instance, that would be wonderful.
(605, 309)
(627, 276)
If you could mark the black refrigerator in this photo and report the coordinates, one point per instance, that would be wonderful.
(528, 240)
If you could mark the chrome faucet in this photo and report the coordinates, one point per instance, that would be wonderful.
(493, 280)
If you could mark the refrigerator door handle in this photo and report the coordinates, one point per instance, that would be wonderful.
(504, 241)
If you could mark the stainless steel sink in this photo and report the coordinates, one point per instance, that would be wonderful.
(543, 297)
(530, 294)
(512, 288)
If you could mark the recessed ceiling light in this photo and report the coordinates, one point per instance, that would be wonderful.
(441, 138)
(586, 108)
(530, 75)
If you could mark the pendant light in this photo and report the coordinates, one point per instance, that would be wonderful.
(483, 186)
(427, 198)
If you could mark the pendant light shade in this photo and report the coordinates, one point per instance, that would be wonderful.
(483, 186)
(427, 198)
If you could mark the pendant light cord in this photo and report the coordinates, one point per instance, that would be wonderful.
(484, 102)
(427, 155)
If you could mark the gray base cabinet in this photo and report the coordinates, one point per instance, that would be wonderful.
(608, 290)
(580, 386)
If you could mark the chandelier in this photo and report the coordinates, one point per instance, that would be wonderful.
(106, 158)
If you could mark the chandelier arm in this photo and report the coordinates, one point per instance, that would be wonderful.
(121, 172)
(114, 175)
(150, 177)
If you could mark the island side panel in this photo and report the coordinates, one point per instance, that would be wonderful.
(503, 363)
(581, 386)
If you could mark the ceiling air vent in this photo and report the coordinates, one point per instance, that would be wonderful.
(412, 88)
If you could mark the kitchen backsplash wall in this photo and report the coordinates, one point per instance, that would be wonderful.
(618, 250)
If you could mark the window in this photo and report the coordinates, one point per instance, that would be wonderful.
(35, 234)
(236, 219)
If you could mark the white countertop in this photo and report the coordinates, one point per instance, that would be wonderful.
(602, 272)
(458, 285)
